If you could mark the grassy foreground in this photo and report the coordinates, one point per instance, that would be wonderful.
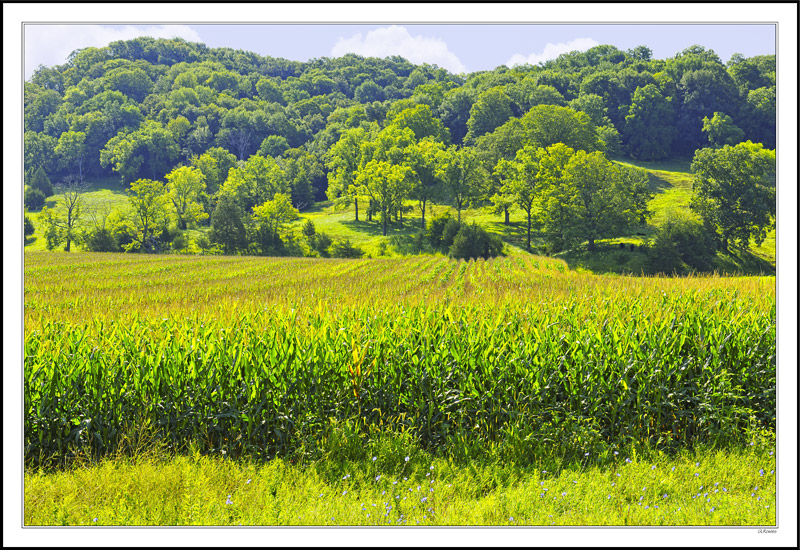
(709, 488)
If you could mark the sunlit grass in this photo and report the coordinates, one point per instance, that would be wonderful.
(734, 487)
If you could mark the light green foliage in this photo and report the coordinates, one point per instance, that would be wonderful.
(149, 150)
(149, 214)
(343, 160)
(258, 180)
(275, 214)
(62, 222)
(421, 121)
(546, 125)
(463, 175)
(734, 191)
(721, 130)
(385, 183)
(215, 164)
(520, 180)
(185, 185)
(604, 202)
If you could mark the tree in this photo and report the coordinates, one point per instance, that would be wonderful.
(34, 199)
(546, 125)
(227, 225)
(29, 228)
(721, 130)
(454, 113)
(649, 129)
(603, 205)
(682, 242)
(150, 211)
(734, 192)
(41, 182)
(421, 121)
(490, 110)
(473, 242)
(62, 220)
(71, 149)
(343, 160)
(520, 179)
(384, 183)
(423, 161)
(269, 219)
(258, 180)
(215, 164)
(185, 186)
(556, 197)
(462, 174)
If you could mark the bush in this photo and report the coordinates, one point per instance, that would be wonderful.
(29, 228)
(34, 199)
(682, 244)
(180, 241)
(320, 242)
(345, 249)
(38, 180)
(472, 241)
(435, 230)
(308, 229)
(100, 240)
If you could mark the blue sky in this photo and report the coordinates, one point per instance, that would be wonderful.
(456, 47)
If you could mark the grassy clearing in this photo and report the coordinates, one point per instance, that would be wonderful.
(709, 488)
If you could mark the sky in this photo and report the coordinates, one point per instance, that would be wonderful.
(459, 48)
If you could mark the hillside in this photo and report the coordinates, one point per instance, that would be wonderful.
(670, 183)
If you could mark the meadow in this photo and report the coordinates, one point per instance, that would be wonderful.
(514, 363)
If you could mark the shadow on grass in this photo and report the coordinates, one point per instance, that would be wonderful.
(742, 262)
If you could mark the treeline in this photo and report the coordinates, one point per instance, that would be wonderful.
(377, 133)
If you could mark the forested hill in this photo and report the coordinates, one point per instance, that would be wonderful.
(147, 105)
(237, 136)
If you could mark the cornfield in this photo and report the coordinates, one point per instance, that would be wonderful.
(260, 356)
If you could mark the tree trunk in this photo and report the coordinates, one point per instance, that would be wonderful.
(591, 244)
(529, 230)
(384, 215)
(356, 201)
(400, 216)
(423, 214)
(508, 217)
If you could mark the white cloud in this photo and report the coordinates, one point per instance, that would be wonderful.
(51, 44)
(396, 40)
(552, 51)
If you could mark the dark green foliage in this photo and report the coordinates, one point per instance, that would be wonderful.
(34, 199)
(100, 239)
(29, 228)
(308, 229)
(441, 231)
(682, 244)
(473, 242)
(41, 182)
(227, 226)
(321, 242)
(345, 249)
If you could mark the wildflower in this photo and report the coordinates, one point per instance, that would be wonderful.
(374, 458)
(395, 482)
(511, 518)
(696, 474)
(697, 464)
(613, 484)
(564, 494)
(383, 493)
(587, 454)
(673, 468)
(761, 471)
(423, 499)
(95, 520)
(431, 467)
(654, 467)
(646, 507)
(406, 459)
(616, 453)
(713, 508)
(618, 475)
(248, 481)
(772, 471)
(628, 460)
(665, 495)
(344, 493)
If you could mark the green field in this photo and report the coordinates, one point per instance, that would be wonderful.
(516, 361)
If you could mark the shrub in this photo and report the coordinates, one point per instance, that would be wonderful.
(682, 244)
(29, 228)
(345, 249)
(100, 240)
(34, 199)
(435, 229)
(320, 242)
(180, 241)
(39, 180)
(472, 241)
(308, 229)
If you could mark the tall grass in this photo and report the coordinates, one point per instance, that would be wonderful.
(260, 357)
